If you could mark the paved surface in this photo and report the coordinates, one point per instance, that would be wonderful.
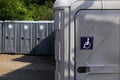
(20, 67)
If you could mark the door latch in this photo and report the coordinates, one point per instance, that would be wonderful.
(83, 69)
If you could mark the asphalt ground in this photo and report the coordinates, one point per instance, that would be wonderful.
(25, 67)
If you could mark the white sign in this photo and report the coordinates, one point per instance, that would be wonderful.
(10, 26)
(41, 27)
(25, 26)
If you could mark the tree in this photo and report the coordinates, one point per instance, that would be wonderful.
(26, 9)
(13, 9)
(41, 9)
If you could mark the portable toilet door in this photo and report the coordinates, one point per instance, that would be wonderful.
(1, 30)
(97, 45)
(87, 43)
(9, 36)
(40, 36)
(25, 37)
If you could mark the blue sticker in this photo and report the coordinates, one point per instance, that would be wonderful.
(86, 43)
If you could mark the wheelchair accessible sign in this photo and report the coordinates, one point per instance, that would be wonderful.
(86, 43)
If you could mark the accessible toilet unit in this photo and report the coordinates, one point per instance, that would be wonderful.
(87, 42)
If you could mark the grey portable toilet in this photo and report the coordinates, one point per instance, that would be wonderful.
(9, 36)
(25, 36)
(87, 44)
(1, 25)
(43, 38)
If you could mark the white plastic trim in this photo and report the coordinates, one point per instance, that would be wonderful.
(16, 21)
(67, 3)
(62, 3)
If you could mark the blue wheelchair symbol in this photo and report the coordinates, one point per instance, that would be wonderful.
(86, 43)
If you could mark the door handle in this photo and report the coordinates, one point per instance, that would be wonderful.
(7, 37)
(22, 38)
(83, 69)
(38, 39)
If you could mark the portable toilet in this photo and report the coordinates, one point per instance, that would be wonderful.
(87, 44)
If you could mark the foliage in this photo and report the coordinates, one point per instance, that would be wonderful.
(26, 9)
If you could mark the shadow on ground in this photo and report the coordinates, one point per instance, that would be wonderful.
(19, 67)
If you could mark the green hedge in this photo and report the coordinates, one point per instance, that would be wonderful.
(26, 9)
